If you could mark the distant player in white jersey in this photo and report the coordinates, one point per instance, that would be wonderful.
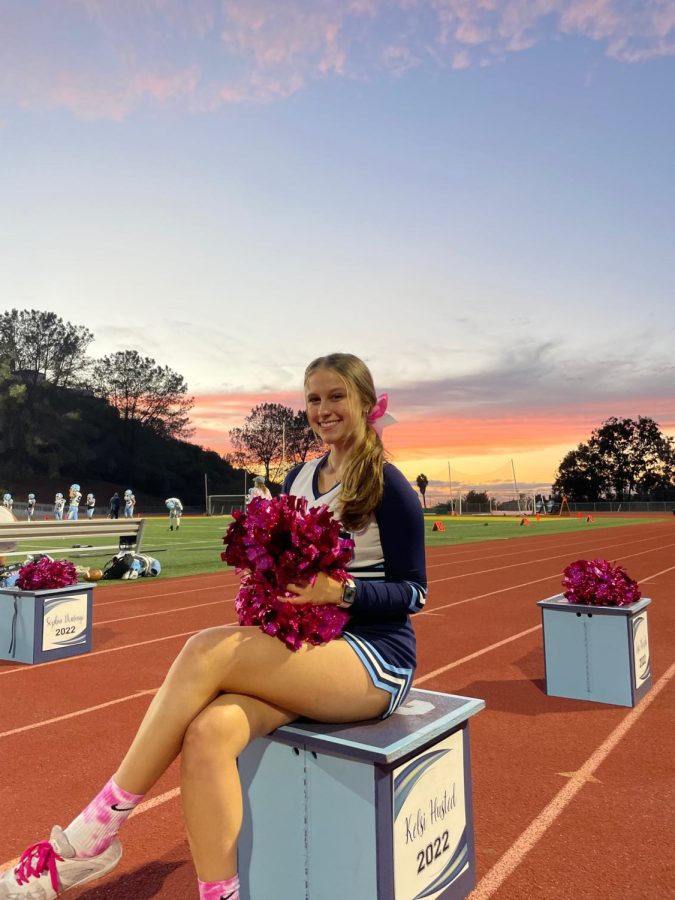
(129, 504)
(90, 503)
(59, 505)
(175, 508)
(74, 497)
(7, 502)
(30, 507)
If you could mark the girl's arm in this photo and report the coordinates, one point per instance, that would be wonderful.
(401, 523)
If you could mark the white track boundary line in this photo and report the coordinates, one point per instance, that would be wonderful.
(513, 857)
(169, 637)
(652, 577)
(572, 787)
(147, 805)
(542, 560)
(510, 861)
(526, 584)
(562, 544)
(76, 713)
(451, 560)
(165, 612)
(513, 587)
(172, 609)
(464, 659)
(90, 709)
(85, 656)
(141, 597)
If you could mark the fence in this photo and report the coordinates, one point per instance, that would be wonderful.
(623, 506)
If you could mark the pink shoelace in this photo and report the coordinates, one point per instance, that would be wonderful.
(36, 860)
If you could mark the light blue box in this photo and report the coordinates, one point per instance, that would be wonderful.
(598, 653)
(378, 810)
(39, 626)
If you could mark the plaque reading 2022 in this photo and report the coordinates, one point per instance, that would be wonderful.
(65, 621)
(430, 837)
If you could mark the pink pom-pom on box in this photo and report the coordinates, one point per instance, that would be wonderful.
(597, 582)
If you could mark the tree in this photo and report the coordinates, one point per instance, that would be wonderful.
(477, 499)
(301, 443)
(274, 437)
(39, 346)
(579, 475)
(624, 458)
(422, 482)
(144, 393)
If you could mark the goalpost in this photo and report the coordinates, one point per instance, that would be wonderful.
(495, 493)
(564, 508)
(224, 504)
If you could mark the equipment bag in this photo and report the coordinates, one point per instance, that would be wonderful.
(120, 566)
(131, 565)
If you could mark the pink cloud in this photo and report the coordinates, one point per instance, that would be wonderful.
(98, 58)
(458, 434)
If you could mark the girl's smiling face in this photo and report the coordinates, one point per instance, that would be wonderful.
(333, 414)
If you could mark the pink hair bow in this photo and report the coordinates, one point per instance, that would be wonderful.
(379, 418)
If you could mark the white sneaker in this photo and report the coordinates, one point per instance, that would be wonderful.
(49, 869)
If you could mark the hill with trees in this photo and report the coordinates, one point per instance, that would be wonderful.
(122, 419)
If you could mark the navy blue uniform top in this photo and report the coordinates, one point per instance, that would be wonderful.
(388, 565)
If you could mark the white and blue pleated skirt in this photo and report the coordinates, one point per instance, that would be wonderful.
(388, 653)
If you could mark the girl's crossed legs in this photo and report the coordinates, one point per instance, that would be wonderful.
(228, 686)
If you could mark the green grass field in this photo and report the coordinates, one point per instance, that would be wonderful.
(196, 547)
(470, 529)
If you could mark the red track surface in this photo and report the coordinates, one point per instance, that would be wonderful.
(572, 799)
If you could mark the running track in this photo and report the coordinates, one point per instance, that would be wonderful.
(572, 799)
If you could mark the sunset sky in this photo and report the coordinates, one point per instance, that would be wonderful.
(476, 197)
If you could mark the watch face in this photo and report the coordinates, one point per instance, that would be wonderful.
(349, 594)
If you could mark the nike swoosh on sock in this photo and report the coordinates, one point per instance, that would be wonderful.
(122, 808)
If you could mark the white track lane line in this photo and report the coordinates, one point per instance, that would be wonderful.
(214, 587)
(652, 577)
(489, 594)
(509, 862)
(579, 781)
(431, 611)
(76, 713)
(56, 662)
(165, 612)
(71, 659)
(147, 805)
(464, 659)
(543, 559)
(575, 547)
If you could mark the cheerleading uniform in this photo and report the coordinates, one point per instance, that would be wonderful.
(389, 571)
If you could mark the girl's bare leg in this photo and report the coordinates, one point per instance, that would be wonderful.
(327, 683)
(210, 787)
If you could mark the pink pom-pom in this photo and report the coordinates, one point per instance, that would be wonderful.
(281, 542)
(598, 583)
(44, 574)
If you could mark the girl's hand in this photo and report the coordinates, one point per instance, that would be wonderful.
(323, 591)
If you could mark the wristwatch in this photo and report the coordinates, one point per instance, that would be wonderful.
(348, 594)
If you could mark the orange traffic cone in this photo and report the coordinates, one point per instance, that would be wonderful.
(589, 519)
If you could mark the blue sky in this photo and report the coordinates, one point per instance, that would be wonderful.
(479, 198)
